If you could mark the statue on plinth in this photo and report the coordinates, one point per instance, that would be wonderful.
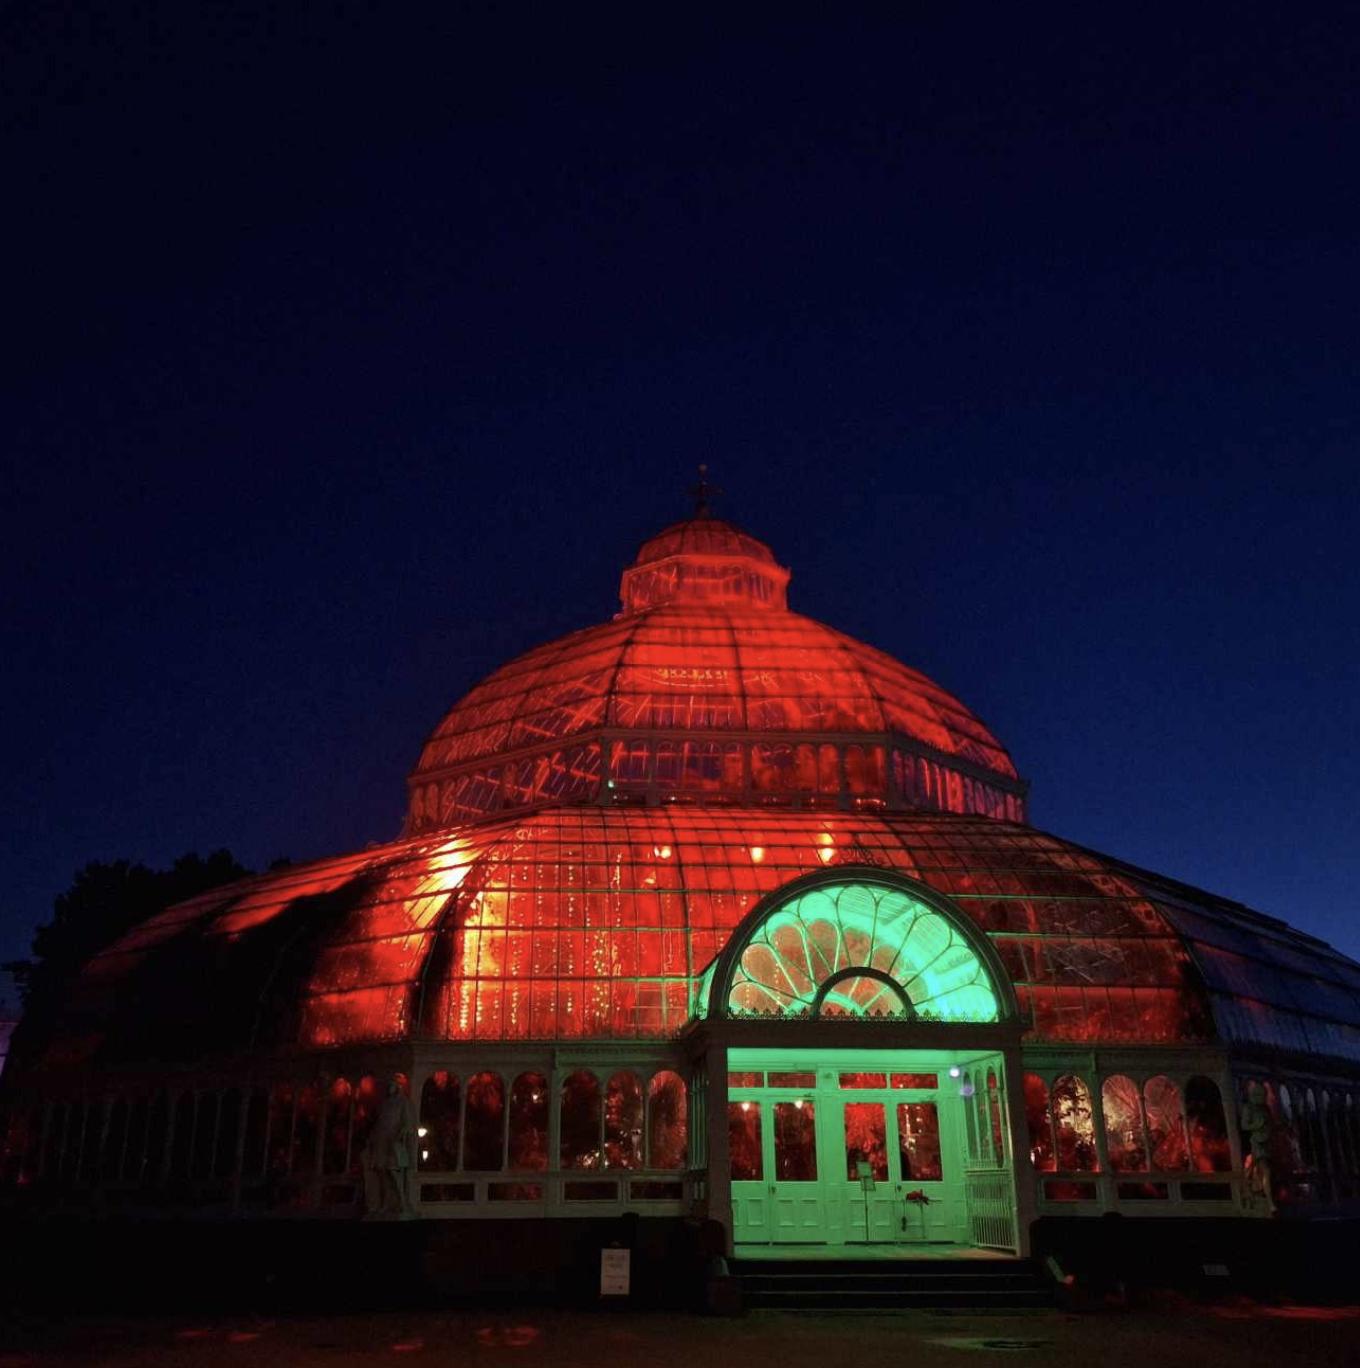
(1255, 1121)
(389, 1157)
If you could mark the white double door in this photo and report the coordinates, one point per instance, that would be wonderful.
(842, 1157)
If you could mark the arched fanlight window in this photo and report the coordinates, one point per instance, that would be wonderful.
(860, 948)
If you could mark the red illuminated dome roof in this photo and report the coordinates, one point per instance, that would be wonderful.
(705, 688)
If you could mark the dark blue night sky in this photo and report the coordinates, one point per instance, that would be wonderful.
(350, 355)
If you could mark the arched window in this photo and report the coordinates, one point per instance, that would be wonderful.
(157, 1125)
(52, 1141)
(623, 1122)
(440, 1115)
(860, 948)
(228, 1132)
(969, 1119)
(257, 1128)
(134, 1152)
(1293, 1136)
(1074, 1126)
(1165, 1117)
(1123, 1110)
(667, 1121)
(579, 1146)
(90, 1134)
(205, 1134)
(1039, 1124)
(182, 1137)
(1314, 1130)
(529, 1123)
(484, 1124)
(335, 1147)
(306, 1124)
(984, 1126)
(115, 1138)
(280, 1129)
(1207, 1126)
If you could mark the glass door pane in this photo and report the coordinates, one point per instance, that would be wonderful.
(866, 1142)
(918, 1139)
(743, 1141)
(795, 1142)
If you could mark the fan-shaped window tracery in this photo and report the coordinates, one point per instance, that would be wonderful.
(859, 949)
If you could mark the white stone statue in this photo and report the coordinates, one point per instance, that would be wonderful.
(389, 1157)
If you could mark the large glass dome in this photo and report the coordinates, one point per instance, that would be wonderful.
(706, 688)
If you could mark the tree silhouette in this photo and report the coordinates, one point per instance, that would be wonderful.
(106, 899)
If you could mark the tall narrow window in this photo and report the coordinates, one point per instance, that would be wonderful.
(157, 1126)
(1207, 1126)
(367, 1100)
(335, 1146)
(579, 1145)
(1039, 1123)
(667, 1121)
(1074, 1126)
(1167, 1149)
(182, 1137)
(994, 1112)
(280, 1128)
(115, 1139)
(484, 1124)
(228, 1134)
(257, 1125)
(1123, 1125)
(134, 1153)
(205, 1134)
(306, 1123)
(969, 1120)
(623, 1122)
(529, 1123)
(440, 1102)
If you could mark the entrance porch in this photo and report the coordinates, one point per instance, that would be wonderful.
(882, 1153)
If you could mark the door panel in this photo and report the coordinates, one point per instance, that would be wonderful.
(750, 1192)
(797, 1210)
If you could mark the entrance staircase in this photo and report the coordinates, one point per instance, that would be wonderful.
(1000, 1283)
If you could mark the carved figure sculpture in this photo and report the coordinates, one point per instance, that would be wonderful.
(389, 1156)
(1256, 1125)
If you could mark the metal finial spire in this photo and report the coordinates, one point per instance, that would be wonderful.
(703, 493)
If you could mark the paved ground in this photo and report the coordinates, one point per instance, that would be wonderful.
(1242, 1336)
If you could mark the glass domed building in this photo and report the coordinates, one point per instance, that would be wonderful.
(707, 912)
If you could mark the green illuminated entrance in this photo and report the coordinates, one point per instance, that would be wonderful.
(845, 1148)
(869, 1106)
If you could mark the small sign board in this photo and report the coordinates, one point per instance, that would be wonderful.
(615, 1272)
